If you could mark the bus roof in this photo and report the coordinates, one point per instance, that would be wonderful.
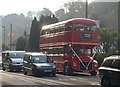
(67, 21)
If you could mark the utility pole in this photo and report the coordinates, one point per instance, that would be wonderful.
(86, 8)
(11, 37)
(4, 33)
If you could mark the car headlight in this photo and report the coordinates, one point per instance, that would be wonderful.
(14, 63)
(38, 67)
(54, 66)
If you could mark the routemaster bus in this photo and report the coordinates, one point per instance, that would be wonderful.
(70, 45)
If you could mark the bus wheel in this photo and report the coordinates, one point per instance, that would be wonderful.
(93, 73)
(67, 69)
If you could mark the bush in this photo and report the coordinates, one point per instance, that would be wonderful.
(100, 57)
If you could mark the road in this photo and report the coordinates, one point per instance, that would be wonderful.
(19, 79)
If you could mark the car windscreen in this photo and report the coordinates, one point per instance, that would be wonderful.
(40, 59)
(17, 54)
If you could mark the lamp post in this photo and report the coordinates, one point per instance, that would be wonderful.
(4, 33)
(11, 37)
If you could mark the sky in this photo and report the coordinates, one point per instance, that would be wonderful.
(23, 6)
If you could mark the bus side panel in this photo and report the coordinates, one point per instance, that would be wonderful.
(59, 62)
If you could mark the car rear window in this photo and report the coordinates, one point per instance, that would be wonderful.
(116, 64)
(107, 63)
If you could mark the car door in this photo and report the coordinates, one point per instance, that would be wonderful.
(29, 64)
(115, 73)
(26, 63)
(6, 60)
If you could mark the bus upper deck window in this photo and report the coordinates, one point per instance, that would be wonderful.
(68, 27)
(90, 28)
(94, 28)
(79, 27)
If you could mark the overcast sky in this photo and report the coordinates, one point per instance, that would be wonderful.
(23, 6)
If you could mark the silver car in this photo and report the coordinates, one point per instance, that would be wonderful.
(0, 62)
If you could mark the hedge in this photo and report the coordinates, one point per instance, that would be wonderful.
(100, 57)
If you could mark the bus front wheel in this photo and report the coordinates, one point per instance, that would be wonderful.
(67, 69)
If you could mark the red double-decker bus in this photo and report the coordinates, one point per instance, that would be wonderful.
(70, 45)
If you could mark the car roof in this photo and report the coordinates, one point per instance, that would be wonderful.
(11, 51)
(34, 53)
(113, 57)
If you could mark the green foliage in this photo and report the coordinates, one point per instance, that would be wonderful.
(21, 43)
(72, 9)
(34, 36)
(49, 20)
(100, 57)
(19, 22)
(109, 40)
(5, 47)
(36, 26)
(46, 12)
(106, 12)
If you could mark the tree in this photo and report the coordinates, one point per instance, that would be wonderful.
(31, 14)
(50, 19)
(20, 23)
(106, 12)
(21, 43)
(5, 47)
(36, 26)
(45, 12)
(34, 36)
(109, 40)
(71, 10)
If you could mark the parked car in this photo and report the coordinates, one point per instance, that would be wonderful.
(38, 64)
(12, 60)
(109, 72)
(0, 62)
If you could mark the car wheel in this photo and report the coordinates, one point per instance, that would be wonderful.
(105, 82)
(3, 68)
(10, 68)
(25, 73)
(93, 73)
(53, 74)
